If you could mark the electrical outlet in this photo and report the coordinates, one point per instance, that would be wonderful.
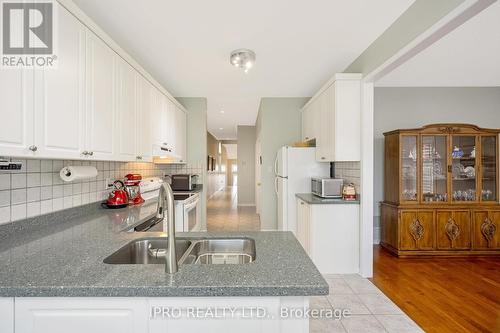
(109, 183)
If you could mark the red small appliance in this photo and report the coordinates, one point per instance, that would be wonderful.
(132, 181)
(118, 198)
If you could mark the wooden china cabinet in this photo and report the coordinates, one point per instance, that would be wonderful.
(441, 191)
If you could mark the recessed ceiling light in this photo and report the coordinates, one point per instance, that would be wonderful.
(221, 128)
(242, 58)
(221, 111)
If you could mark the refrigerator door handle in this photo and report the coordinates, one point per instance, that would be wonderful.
(276, 185)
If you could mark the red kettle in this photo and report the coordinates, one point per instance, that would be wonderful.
(118, 198)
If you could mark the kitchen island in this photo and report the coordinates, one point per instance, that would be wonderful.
(53, 276)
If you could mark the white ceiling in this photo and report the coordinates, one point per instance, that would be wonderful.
(467, 57)
(299, 44)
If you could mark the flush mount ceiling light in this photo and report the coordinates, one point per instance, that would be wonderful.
(242, 58)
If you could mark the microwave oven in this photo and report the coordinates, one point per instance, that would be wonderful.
(327, 187)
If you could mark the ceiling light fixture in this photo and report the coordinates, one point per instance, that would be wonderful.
(221, 128)
(242, 58)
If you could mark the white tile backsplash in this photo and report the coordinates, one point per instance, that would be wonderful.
(38, 189)
(350, 172)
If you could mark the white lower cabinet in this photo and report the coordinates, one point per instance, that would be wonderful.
(153, 315)
(330, 236)
(6, 314)
(81, 315)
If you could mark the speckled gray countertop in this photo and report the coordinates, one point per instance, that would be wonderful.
(315, 200)
(61, 255)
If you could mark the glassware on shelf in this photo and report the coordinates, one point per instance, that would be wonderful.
(434, 178)
(489, 166)
(409, 168)
(463, 168)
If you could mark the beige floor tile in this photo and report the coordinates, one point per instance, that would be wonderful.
(325, 326)
(348, 302)
(319, 302)
(362, 324)
(379, 304)
(338, 286)
(224, 215)
(398, 324)
(361, 285)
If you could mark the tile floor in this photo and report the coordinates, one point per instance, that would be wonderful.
(223, 213)
(371, 311)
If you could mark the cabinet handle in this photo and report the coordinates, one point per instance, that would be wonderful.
(33, 148)
(452, 230)
(416, 231)
(323, 158)
(488, 229)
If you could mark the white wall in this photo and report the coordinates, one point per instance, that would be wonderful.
(278, 124)
(246, 165)
(414, 107)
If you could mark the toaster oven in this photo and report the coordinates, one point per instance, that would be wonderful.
(327, 187)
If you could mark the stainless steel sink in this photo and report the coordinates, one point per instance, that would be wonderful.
(146, 251)
(189, 251)
(220, 251)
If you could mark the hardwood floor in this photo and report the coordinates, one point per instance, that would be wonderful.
(442, 294)
(223, 213)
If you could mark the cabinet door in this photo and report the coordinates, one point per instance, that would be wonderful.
(453, 229)
(486, 230)
(16, 109)
(180, 134)
(489, 167)
(80, 315)
(464, 166)
(170, 127)
(434, 172)
(7, 314)
(417, 230)
(145, 103)
(126, 111)
(100, 75)
(325, 116)
(347, 120)
(303, 224)
(59, 94)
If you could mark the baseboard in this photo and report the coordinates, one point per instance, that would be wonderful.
(246, 205)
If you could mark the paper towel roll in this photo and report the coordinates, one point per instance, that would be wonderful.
(74, 173)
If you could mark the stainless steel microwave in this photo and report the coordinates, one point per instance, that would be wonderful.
(327, 187)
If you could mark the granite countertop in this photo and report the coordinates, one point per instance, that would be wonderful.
(62, 254)
(315, 200)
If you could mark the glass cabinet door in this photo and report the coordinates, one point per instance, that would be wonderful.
(489, 168)
(409, 168)
(463, 168)
(434, 168)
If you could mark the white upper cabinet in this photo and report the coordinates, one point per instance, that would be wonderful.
(180, 135)
(126, 111)
(100, 102)
(145, 105)
(92, 105)
(16, 112)
(333, 118)
(59, 94)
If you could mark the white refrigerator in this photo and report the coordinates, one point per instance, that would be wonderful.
(293, 169)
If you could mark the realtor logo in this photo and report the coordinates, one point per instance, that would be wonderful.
(27, 34)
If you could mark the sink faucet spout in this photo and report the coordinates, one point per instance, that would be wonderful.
(166, 203)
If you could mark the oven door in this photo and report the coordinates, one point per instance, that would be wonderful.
(192, 211)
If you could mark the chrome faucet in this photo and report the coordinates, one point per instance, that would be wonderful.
(166, 202)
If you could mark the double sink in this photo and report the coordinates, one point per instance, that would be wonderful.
(188, 250)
